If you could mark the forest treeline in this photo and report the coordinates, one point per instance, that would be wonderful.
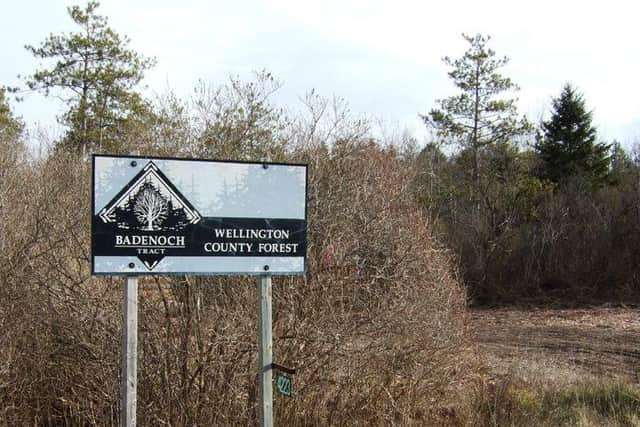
(531, 211)
(492, 210)
(545, 213)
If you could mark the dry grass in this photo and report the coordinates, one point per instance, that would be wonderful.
(556, 368)
(541, 404)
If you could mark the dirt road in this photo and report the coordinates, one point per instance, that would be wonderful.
(559, 345)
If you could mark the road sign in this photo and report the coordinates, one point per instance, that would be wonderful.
(189, 216)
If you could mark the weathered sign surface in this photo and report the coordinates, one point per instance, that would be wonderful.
(187, 216)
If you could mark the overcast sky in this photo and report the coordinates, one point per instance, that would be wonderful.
(383, 57)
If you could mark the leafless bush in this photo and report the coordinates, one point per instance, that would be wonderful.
(527, 240)
(63, 332)
(375, 328)
(383, 313)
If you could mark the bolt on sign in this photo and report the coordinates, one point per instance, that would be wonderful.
(187, 216)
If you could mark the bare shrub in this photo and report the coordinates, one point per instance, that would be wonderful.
(64, 331)
(380, 314)
(375, 328)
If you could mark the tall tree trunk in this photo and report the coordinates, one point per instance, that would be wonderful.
(474, 143)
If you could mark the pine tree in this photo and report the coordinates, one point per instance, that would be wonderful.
(95, 74)
(621, 164)
(480, 115)
(567, 145)
(10, 126)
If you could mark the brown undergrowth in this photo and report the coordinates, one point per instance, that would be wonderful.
(375, 329)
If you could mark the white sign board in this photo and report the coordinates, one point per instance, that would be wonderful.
(187, 216)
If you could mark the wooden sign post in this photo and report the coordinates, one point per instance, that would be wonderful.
(155, 215)
(265, 352)
(129, 380)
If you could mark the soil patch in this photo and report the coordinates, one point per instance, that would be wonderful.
(559, 345)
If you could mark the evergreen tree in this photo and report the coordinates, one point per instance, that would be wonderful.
(480, 115)
(95, 74)
(10, 126)
(621, 164)
(567, 145)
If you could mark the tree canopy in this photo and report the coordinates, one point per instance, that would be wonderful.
(10, 126)
(95, 73)
(568, 144)
(479, 115)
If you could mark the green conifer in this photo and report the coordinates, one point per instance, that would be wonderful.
(568, 144)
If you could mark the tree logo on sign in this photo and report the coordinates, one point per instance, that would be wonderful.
(150, 207)
(150, 202)
(149, 217)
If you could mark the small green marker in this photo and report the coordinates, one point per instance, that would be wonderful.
(283, 384)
